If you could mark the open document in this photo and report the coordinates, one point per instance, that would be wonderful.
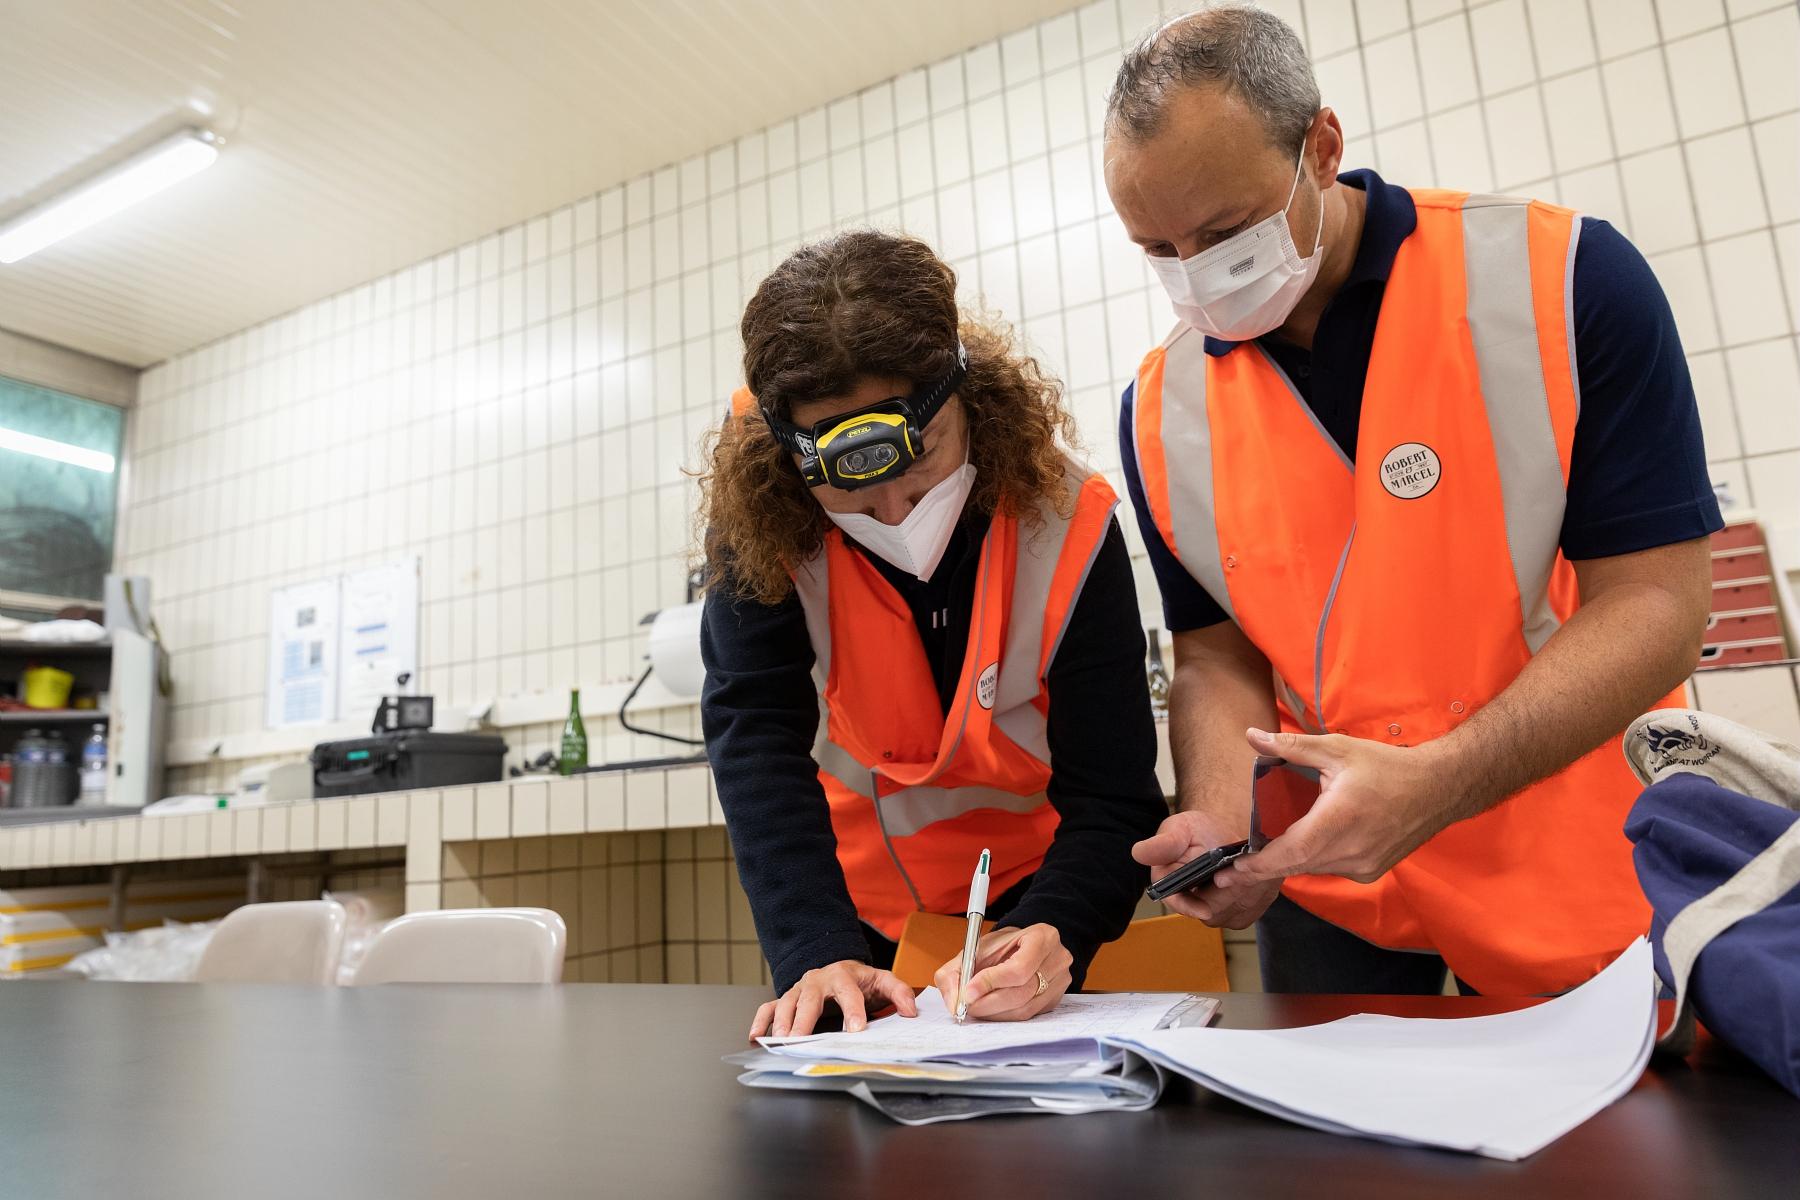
(1072, 1031)
(1503, 1086)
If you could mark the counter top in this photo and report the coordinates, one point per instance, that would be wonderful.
(448, 1090)
(660, 797)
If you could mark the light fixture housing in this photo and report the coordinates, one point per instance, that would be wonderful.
(142, 175)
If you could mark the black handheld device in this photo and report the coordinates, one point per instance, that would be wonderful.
(1280, 791)
(1194, 874)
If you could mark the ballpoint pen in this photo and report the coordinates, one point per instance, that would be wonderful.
(978, 888)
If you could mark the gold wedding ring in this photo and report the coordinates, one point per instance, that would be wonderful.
(1043, 984)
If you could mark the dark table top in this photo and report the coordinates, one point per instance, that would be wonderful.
(187, 1090)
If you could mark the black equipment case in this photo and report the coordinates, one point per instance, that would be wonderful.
(410, 758)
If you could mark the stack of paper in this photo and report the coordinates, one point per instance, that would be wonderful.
(927, 1068)
(1503, 1086)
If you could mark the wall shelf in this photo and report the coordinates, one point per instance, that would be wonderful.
(125, 671)
(17, 647)
(52, 716)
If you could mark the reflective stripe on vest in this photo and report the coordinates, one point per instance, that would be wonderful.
(1050, 559)
(1503, 327)
(1396, 596)
(1180, 503)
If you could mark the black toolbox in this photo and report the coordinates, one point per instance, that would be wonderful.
(410, 758)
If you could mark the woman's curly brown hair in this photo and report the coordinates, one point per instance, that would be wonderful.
(865, 304)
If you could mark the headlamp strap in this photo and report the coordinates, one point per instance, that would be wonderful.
(797, 441)
(926, 406)
(922, 407)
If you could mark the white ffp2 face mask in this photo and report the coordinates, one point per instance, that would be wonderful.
(1247, 284)
(916, 544)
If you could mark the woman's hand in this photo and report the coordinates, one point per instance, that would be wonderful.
(1009, 964)
(852, 984)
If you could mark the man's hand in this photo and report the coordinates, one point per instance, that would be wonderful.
(1184, 837)
(852, 984)
(1007, 965)
(1377, 804)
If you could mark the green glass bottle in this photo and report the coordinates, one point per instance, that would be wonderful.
(574, 740)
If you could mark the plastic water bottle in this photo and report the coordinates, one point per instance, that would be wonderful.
(93, 767)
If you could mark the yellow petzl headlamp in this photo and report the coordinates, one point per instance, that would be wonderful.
(871, 445)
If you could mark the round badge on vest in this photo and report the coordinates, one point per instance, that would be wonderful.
(987, 685)
(1410, 470)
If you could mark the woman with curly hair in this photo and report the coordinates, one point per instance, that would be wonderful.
(922, 641)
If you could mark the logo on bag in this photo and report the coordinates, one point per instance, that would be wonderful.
(1671, 746)
(1410, 470)
(987, 685)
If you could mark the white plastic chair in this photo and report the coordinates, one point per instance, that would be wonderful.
(468, 945)
(290, 942)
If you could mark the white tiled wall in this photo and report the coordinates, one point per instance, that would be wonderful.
(517, 411)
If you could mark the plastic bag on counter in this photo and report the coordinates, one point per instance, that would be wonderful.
(364, 915)
(63, 633)
(164, 954)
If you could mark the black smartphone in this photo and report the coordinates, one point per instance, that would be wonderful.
(1196, 872)
(1280, 793)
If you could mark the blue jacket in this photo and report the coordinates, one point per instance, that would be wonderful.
(1691, 835)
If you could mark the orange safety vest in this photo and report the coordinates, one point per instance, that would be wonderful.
(1396, 596)
(916, 793)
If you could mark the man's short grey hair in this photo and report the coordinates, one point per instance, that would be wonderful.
(1252, 52)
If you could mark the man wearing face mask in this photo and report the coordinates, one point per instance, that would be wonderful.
(1421, 478)
(922, 641)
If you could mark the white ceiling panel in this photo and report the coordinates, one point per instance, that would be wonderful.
(364, 135)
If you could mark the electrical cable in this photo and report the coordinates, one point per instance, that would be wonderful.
(655, 733)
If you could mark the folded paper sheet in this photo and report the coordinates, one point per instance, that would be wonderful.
(1504, 1086)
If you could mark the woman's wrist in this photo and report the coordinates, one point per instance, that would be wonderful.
(822, 952)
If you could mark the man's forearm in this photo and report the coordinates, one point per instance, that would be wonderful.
(1614, 658)
(1208, 713)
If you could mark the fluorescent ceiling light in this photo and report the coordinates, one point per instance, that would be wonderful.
(142, 175)
(25, 443)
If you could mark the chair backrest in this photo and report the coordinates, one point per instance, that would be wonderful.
(928, 941)
(1157, 954)
(289, 942)
(1161, 954)
(468, 945)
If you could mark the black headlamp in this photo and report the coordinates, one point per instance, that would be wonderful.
(871, 445)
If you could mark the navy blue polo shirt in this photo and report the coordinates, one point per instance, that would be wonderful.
(1637, 470)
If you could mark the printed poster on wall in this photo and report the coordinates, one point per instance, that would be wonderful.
(303, 654)
(379, 636)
